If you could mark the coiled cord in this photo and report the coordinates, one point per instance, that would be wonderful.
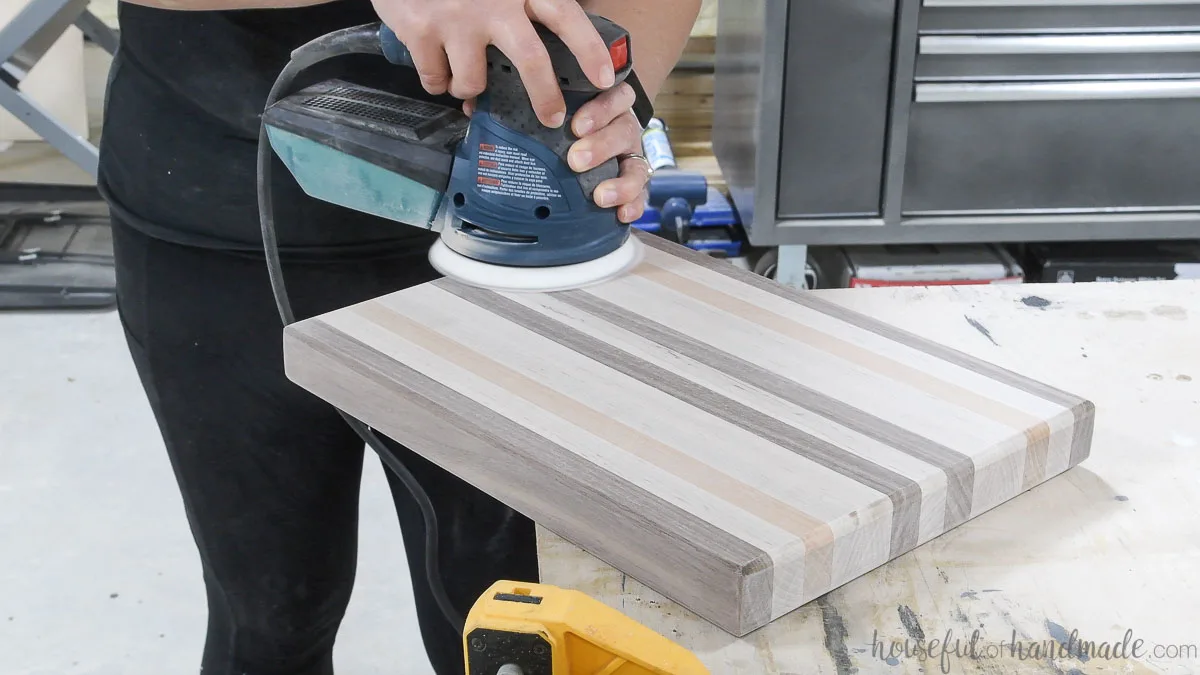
(356, 40)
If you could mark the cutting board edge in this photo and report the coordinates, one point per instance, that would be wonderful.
(735, 602)
(747, 607)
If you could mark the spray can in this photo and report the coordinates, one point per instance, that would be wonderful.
(656, 147)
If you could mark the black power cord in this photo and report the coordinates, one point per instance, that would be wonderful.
(357, 40)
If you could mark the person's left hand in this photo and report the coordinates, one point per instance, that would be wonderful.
(607, 128)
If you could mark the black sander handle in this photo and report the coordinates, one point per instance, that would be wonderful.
(565, 64)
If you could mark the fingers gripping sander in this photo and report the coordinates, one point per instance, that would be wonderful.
(511, 212)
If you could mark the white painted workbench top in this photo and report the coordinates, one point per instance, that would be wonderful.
(1105, 554)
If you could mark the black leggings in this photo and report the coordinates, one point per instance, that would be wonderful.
(270, 474)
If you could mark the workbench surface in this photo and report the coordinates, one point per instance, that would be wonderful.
(1104, 556)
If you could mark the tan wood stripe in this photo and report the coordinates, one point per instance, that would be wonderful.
(881, 365)
(1037, 455)
(816, 534)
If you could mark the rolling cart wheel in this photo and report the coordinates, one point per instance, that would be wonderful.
(767, 263)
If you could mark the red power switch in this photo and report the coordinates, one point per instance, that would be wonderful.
(619, 51)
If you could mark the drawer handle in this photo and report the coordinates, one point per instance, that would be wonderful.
(1059, 44)
(954, 92)
(1055, 3)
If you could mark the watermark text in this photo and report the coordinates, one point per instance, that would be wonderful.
(945, 650)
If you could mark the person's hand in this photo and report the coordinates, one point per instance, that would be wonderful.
(607, 129)
(448, 40)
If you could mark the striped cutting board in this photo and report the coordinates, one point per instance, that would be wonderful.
(738, 446)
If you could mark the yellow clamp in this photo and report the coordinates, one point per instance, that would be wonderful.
(536, 629)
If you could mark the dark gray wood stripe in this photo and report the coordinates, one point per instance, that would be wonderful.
(904, 493)
(958, 467)
(807, 299)
(479, 446)
(1081, 438)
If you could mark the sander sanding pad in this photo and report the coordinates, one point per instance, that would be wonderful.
(511, 279)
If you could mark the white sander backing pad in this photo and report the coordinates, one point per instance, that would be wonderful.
(509, 279)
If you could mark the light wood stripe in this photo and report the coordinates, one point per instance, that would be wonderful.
(998, 473)
(1061, 442)
(957, 467)
(904, 493)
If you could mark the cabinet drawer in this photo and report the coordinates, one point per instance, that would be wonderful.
(833, 134)
(1008, 16)
(1063, 146)
(1072, 57)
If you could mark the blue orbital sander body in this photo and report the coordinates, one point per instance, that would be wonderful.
(511, 213)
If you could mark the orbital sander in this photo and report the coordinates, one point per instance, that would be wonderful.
(511, 213)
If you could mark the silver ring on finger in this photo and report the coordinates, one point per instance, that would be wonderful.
(634, 155)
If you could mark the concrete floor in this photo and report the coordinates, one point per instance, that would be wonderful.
(97, 568)
(98, 573)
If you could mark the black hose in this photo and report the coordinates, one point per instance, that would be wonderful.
(357, 40)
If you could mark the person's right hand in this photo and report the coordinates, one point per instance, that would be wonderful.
(448, 41)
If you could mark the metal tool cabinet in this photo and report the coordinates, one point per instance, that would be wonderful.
(904, 121)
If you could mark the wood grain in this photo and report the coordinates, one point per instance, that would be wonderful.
(738, 446)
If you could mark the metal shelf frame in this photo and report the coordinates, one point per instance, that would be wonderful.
(23, 42)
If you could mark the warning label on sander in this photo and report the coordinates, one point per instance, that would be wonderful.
(510, 171)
